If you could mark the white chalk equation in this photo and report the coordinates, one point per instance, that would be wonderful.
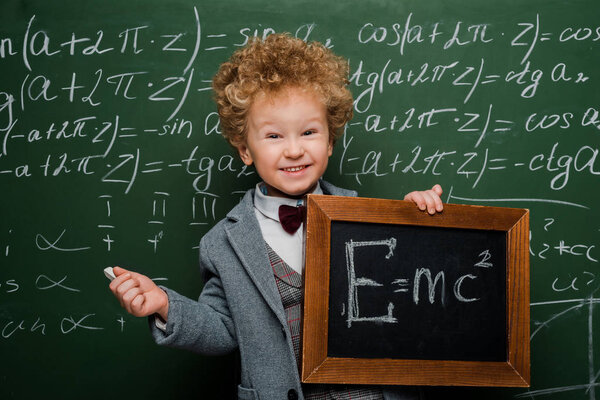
(68, 325)
(104, 136)
(553, 164)
(435, 283)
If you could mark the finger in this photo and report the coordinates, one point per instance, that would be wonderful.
(137, 305)
(439, 206)
(437, 189)
(430, 201)
(126, 299)
(418, 199)
(119, 271)
(434, 195)
(118, 281)
(125, 286)
(434, 202)
(131, 294)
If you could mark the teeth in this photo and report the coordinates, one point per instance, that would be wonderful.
(294, 169)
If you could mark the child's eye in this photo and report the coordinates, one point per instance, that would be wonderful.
(272, 136)
(309, 132)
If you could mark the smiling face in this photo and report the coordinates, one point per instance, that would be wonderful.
(287, 141)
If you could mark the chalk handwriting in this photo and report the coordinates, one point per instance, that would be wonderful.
(43, 282)
(68, 324)
(435, 284)
(44, 244)
(355, 282)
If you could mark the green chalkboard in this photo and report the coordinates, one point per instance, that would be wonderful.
(110, 154)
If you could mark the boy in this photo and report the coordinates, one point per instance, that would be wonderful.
(282, 103)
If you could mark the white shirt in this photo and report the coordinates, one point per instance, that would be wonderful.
(289, 247)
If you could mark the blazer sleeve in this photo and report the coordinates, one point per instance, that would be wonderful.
(204, 326)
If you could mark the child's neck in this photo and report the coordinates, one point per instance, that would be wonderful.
(271, 191)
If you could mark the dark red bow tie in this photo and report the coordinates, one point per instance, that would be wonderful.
(291, 217)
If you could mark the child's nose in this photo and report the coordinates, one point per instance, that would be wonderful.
(294, 149)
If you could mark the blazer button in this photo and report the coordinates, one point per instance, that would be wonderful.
(292, 395)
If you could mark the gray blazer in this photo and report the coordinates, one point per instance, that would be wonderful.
(240, 308)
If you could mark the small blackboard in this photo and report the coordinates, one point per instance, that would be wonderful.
(427, 293)
(444, 296)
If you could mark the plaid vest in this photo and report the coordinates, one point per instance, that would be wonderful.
(289, 284)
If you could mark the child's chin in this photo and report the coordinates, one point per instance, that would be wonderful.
(297, 192)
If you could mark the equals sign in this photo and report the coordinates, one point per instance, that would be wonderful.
(500, 121)
(124, 135)
(152, 164)
(490, 79)
(401, 282)
(209, 87)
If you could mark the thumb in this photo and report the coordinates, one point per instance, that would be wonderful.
(437, 189)
(119, 271)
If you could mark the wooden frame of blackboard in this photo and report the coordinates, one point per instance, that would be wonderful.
(318, 367)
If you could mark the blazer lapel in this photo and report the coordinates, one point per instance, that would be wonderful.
(245, 237)
(246, 240)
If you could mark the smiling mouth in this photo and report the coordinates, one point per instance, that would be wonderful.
(295, 169)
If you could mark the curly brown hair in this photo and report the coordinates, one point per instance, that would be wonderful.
(270, 65)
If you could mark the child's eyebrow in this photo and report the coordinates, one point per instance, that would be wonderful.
(266, 124)
(315, 119)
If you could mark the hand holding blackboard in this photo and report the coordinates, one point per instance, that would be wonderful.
(138, 294)
(427, 200)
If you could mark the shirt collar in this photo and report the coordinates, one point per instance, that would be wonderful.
(269, 205)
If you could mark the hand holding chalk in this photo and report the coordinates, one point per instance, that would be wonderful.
(137, 293)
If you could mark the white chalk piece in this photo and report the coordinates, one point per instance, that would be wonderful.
(108, 271)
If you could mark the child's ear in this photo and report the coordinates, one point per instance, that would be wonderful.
(245, 155)
(330, 147)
